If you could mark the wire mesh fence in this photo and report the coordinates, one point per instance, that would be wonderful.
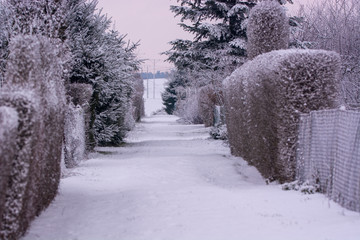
(328, 154)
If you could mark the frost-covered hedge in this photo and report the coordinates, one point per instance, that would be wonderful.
(264, 98)
(188, 109)
(210, 100)
(207, 102)
(8, 150)
(19, 192)
(34, 88)
(138, 99)
(267, 29)
(74, 139)
(79, 94)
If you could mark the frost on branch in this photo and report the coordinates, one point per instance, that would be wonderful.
(264, 98)
(267, 29)
(34, 88)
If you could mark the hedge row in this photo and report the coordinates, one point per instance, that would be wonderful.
(34, 89)
(264, 98)
(77, 142)
(8, 131)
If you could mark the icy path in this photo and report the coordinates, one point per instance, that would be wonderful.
(170, 183)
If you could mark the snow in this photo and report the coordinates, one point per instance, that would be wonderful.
(153, 104)
(170, 181)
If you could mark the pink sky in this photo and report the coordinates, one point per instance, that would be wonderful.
(151, 22)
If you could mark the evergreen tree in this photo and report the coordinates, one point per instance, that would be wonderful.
(177, 80)
(219, 44)
(102, 58)
(219, 29)
(99, 57)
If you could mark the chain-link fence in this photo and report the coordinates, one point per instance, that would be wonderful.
(328, 154)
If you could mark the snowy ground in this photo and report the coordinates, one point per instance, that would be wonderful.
(171, 182)
(152, 95)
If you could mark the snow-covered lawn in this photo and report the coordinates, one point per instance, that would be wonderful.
(171, 182)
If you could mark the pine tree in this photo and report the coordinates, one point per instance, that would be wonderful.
(102, 58)
(219, 44)
(219, 29)
(177, 80)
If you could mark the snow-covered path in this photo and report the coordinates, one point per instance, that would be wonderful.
(171, 182)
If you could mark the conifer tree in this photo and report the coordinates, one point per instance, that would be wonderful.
(219, 29)
(219, 43)
(103, 59)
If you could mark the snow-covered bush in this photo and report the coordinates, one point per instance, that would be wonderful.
(207, 102)
(219, 132)
(19, 191)
(264, 98)
(79, 94)
(8, 149)
(174, 90)
(137, 98)
(34, 88)
(304, 187)
(74, 136)
(267, 29)
(188, 109)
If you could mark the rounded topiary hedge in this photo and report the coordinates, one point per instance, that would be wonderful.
(267, 29)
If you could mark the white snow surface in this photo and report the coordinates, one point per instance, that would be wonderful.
(171, 182)
(153, 104)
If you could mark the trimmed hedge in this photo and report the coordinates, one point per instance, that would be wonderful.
(264, 98)
(207, 102)
(18, 194)
(34, 88)
(79, 94)
(74, 140)
(267, 29)
(138, 99)
(8, 150)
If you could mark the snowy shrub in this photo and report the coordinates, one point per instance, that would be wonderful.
(207, 101)
(219, 132)
(304, 187)
(137, 98)
(210, 101)
(178, 80)
(8, 150)
(188, 109)
(264, 98)
(74, 136)
(34, 88)
(80, 94)
(267, 29)
(14, 219)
